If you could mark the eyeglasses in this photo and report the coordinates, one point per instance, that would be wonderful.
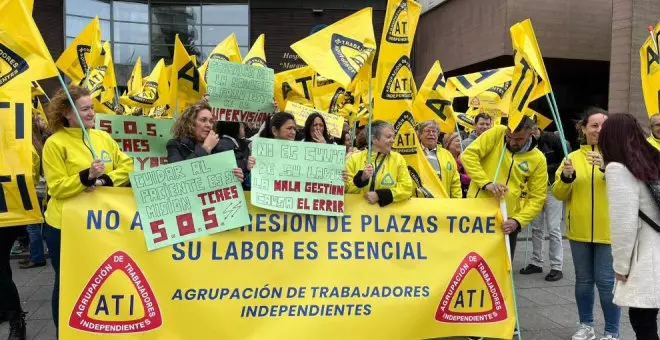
(430, 132)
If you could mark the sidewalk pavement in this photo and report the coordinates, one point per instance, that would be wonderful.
(547, 309)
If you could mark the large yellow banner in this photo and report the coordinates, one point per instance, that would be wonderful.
(375, 273)
(18, 199)
(650, 70)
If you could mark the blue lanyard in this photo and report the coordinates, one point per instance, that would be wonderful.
(373, 177)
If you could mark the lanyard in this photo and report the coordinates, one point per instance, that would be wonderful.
(373, 177)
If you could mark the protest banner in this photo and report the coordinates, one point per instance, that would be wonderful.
(240, 93)
(419, 269)
(185, 200)
(334, 123)
(298, 177)
(142, 138)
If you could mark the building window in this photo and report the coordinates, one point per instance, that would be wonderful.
(146, 28)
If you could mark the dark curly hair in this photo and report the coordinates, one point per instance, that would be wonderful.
(184, 126)
(60, 106)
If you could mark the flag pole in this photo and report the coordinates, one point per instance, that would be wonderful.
(655, 42)
(552, 103)
(369, 124)
(460, 139)
(75, 110)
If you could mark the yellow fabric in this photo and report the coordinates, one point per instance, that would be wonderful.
(434, 100)
(36, 166)
(473, 84)
(295, 86)
(654, 141)
(393, 174)
(101, 81)
(154, 91)
(523, 86)
(650, 70)
(541, 120)
(480, 161)
(256, 55)
(135, 81)
(226, 50)
(351, 42)
(37, 90)
(25, 55)
(451, 179)
(523, 40)
(186, 86)
(65, 155)
(87, 44)
(329, 98)
(586, 199)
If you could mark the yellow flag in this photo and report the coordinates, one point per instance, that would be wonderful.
(650, 68)
(473, 84)
(154, 91)
(37, 90)
(18, 199)
(294, 86)
(227, 50)
(351, 41)
(135, 81)
(101, 80)
(256, 56)
(103, 107)
(29, 5)
(434, 100)
(524, 40)
(84, 50)
(523, 86)
(38, 109)
(329, 98)
(185, 84)
(23, 53)
(491, 101)
(541, 121)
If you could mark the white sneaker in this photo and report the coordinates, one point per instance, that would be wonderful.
(585, 332)
(609, 337)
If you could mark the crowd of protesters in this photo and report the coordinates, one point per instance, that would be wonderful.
(607, 192)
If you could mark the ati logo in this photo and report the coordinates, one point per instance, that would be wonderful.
(397, 33)
(217, 56)
(105, 157)
(335, 104)
(399, 82)
(256, 61)
(418, 183)
(500, 90)
(112, 310)
(524, 166)
(405, 139)
(149, 94)
(387, 180)
(12, 66)
(465, 119)
(449, 166)
(95, 81)
(475, 102)
(476, 300)
(350, 54)
(82, 50)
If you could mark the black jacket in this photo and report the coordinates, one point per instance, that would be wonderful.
(180, 149)
(550, 145)
(241, 151)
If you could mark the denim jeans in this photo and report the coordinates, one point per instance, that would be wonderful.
(548, 220)
(35, 231)
(593, 266)
(53, 241)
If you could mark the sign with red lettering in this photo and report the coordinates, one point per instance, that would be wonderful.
(185, 200)
(300, 177)
(142, 138)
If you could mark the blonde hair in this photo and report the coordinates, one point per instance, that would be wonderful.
(60, 106)
(184, 126)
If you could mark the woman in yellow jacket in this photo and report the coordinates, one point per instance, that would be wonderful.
(389, 181)
(70, 169)
(580, 182)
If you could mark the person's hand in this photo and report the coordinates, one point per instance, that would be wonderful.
(344, 176)
(619, 277)
(594, 158)
(211, 141)
(509, 226)
(251, 162)
(367, 172)
(371, 196)
(498, 190)
(317, 136)
(568, 168)
(96, 169)
(90, 189)
(238, 172)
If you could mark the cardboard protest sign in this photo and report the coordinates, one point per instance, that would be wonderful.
(300, 112)
(189, 199)
(298, 177)
(240, 93)
(142, 138)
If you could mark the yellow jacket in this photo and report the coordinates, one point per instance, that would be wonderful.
(586, 199)
(654, 141)
(480, 161)
(393, 182)
(450, 178)
(66, 162)
(36, 166)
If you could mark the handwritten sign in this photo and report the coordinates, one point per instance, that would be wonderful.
(298, 177)
(185, 200)
(142, 138)
(300, 112)
(240, 93)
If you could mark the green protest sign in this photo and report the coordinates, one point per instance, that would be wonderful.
(142, 138)
(185, 200)
(240, 93)
(298, 177)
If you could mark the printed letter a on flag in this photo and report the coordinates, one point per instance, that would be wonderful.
(650, 71)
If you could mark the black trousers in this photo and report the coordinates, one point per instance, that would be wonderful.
(9, 300)
(513, 239)
(644, 322)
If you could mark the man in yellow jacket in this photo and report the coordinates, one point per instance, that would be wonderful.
(522, 163)
(441, 159)
(654, 138)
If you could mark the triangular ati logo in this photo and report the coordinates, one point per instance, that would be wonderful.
(500, 90)
(149, 94)
(82, 50)
(350, 54)
(12, 65)
(119, 261)
(256, 61)
(497, 312)
(418, 182)
(399, 82)
(405, 138)
(334, 102)
(524, 166)
(397, 33)
(387, 180)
